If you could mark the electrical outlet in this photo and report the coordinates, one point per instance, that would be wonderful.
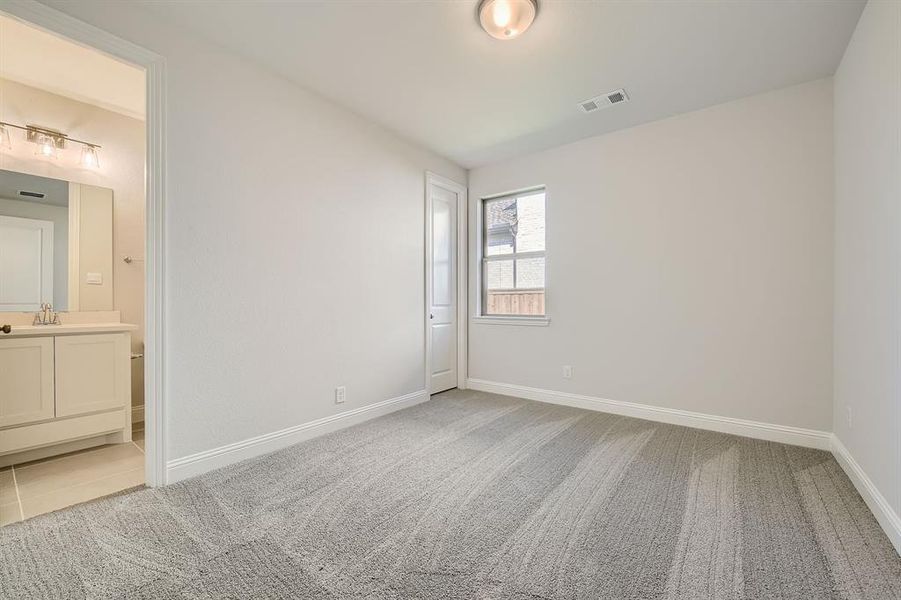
(340, 394)
(567, 372)
(848, 408)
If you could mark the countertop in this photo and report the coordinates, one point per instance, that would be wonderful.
(64, 329)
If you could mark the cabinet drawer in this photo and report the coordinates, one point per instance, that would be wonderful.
(26, 380)
(92, 373)
(49, 433)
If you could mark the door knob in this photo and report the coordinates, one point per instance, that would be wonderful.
(6, 328)
(431, 316)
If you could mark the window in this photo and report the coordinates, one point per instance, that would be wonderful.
(513, 255)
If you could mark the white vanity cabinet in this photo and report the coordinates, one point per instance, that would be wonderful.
(26, 380)
(63, 388)
(92, 373)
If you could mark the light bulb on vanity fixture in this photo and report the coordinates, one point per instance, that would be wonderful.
(46, 146)
(89, 157)
(506, 19)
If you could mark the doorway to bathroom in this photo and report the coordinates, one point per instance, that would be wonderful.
(86, 325)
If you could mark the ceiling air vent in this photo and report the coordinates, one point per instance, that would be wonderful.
(604, 101)
(31, 194)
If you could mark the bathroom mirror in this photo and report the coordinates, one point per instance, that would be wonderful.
(56, 244)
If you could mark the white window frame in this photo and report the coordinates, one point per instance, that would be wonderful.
(527, 320)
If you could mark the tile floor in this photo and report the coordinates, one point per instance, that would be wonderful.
(50, 484)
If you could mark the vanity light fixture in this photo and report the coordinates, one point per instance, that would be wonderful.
(506, 19)
(49, 142)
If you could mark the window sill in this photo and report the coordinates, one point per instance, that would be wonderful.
(523, 321)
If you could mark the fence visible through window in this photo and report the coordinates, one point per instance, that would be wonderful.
(513, 255)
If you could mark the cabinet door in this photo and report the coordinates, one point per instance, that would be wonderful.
(26, 380)
(92, 373)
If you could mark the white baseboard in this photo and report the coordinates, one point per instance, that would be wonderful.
(888, 519)
(137, 413)
(809, 438)
(197, 464)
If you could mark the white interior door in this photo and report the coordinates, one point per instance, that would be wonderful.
(26, 263)
(443, 206)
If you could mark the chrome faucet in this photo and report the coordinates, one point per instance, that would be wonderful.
(46, 316)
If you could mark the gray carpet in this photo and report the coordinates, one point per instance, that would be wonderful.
(473, 495)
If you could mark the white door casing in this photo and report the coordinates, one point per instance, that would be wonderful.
(69, 27)
(445, 346)
(26, 263)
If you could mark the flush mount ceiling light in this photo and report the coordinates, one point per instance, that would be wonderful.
(507, 19)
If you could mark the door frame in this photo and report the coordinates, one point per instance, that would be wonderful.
(462, 276)
(60, 24)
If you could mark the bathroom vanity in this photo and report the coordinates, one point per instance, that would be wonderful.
(63, 387)
(65, 384)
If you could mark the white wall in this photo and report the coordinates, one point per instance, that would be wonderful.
(867, 247)
(294, 248)
(59, 215)
(689, 263)
(122, 170)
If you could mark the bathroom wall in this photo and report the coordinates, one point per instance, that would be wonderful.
(121, 169)
(95, 247)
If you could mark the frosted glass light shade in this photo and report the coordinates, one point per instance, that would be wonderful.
(5, 144)
(507, 19)
(89, 157)
(46, 147)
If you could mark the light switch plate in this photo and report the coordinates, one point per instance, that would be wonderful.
(94, 278)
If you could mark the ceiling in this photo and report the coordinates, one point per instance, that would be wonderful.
(428, 72)
(33, 57)
(56, 191)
